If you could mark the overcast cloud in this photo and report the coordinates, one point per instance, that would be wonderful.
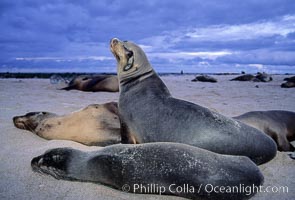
(194, 36)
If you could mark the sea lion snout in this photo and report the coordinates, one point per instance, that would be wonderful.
(20, 122)
(114, 41)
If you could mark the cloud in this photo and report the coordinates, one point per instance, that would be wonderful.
(250, 31)
(189, 33)
(64, 59)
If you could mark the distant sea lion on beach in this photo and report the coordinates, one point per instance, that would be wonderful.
(290, 82)
(94, 125)
(149, 113)
(159, 167)
(278, 124)
(260, 77)
(205, 78)
(97, 83)
(245, 77)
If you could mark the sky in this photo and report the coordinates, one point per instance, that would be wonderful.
(195, 36)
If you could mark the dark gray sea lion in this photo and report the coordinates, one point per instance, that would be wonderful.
(246, 77)
(290, 82)
(148, 113)
(103, 83)
(94, 125)
(204, 78)
(278, 124)
(290, 79)
(156, 168)
(262, 77)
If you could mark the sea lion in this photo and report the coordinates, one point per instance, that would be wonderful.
(260, 77)
(245, 77)
(149, 113)
(205, 78)
(104, 83)
(278, 124)
(94, 125)
(290, 79)
(290, 82)
(156, 168)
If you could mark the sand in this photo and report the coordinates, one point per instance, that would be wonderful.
(18, 147)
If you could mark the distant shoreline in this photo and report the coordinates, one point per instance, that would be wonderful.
(28, 75)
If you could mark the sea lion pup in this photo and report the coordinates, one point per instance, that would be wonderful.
(162, 166)
(148, 113)
(278, 124)
(205, 78)
(98, 83)
(94, 125)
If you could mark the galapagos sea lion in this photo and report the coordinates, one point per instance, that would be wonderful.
(156, 168)
(149, 113)
(205, 78)
(245, 77)
(260, 77)
(94, 125)
(104, 83)
(291, 79)
(278, 124)
(290, 82)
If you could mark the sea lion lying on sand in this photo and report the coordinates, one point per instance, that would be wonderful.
(162, 166)
(204, 78)
(290, 82)
(94, 125)
(98, 83)
(260, 77)
(278, 124)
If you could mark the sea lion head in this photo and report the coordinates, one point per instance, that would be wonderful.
(131, 59)
(31, 120)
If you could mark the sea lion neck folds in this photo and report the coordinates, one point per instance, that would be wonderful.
(132, 62)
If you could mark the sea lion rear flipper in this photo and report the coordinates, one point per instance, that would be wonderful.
(292, 155)
(71, 87)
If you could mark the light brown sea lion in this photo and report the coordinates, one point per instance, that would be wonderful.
(149, 113)
(94, 125)
(278, 124)
(103, 83)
